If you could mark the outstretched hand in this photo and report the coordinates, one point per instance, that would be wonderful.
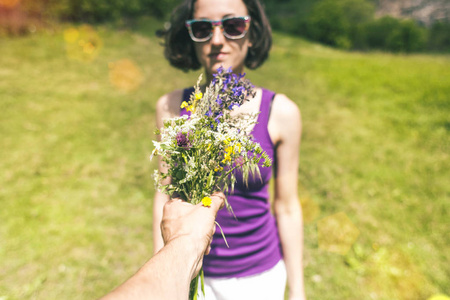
(187, 231)
(192, 223)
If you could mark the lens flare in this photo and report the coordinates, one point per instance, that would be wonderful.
(9, 3)
(310, 209)
(82, 43)
(439, 297)
(125, 75)
(71, 35)
(336, 233)
(391, 274)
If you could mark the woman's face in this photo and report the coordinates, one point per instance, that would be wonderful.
(220, 51)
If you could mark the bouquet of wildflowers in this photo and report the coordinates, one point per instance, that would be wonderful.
(202, 151)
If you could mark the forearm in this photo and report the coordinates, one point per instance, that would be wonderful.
(157, 279)
(290, 227)
(159, 201)
(187, 231)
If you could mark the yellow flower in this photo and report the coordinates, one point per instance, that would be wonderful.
(226, 157)
(188, 107)
(198, 96)
(206, 201)
(229, 150)
(193, 106)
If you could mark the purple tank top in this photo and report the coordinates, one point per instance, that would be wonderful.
(252, 235)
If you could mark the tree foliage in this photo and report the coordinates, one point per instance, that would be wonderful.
(351, 24)
(97, 10)
(439, 37)
(347, 24)
(395, 35)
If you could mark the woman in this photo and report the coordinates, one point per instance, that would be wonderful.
(264, 248)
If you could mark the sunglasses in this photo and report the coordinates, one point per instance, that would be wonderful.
(232, 28)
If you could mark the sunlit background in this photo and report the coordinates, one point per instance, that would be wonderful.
(79, 80)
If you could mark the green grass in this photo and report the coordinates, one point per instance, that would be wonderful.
(76, 188)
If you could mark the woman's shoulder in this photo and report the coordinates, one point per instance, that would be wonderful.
(168, 105)
(283, 107)
(282, 99)
(284, 112)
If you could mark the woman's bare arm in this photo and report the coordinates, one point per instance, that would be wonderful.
(285, 130)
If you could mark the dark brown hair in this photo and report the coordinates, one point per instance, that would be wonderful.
(179, 48)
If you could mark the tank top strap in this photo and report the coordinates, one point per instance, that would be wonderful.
(265, 108)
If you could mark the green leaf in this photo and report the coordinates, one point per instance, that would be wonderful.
(202, 278)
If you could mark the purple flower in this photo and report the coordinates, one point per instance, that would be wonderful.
(219, 71)
(237, 78)
(238, 91)
(183, 141)
(217, 118)
(226, 81)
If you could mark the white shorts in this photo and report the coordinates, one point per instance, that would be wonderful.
(268, 285)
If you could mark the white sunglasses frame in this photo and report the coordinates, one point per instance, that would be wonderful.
(218, 23)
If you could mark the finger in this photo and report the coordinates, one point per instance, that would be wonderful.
(177, 201)
(218, 199)
(213, 208)
(173, 204)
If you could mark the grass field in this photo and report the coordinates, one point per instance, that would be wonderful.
(76, 188)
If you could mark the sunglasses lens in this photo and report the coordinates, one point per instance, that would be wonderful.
(201, 29)
(234, 27)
